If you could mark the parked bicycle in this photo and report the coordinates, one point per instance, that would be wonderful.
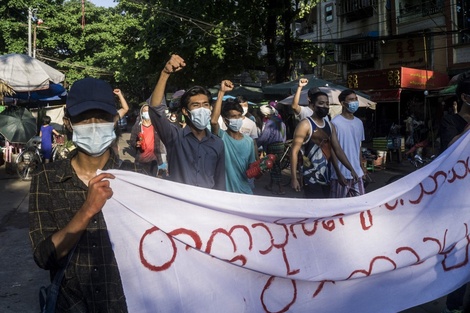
(61, 148)
(285, 159)
(29, 159)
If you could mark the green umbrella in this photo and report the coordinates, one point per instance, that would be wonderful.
(17, 124)
(448, 90)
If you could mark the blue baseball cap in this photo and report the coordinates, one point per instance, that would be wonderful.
(90, 94)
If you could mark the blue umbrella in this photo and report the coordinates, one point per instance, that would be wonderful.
(226, 97)
(52, 91)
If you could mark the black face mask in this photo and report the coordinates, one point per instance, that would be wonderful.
(322, 112)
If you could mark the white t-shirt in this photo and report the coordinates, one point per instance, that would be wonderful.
(304, 112)
(249, 128)
(350, 134)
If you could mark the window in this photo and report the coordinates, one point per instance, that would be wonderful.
(359, 56)
(463, 20)
(329, 12)
(356, 9)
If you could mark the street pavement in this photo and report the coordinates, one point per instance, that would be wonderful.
(20, 278)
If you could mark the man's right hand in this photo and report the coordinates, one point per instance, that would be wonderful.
(226, 86)
(175, 64)
(303, 82)
(295, 184)
(99, 191)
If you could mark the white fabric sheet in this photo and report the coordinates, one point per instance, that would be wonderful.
(187, 249)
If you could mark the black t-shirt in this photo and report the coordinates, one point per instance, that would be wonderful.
(451, 126)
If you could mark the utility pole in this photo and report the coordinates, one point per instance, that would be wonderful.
(31, 11)
(30, 17)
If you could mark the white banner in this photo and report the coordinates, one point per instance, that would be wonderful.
(187, 249)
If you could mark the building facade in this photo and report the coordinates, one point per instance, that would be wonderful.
(414, 46)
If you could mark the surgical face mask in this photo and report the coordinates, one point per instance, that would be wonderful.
(245, 110)
(200, 117)
(235, 124)
(93, 138)
(321, 112)
(353, 106)
(145, 115)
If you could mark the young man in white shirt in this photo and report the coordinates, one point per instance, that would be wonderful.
(350, 133)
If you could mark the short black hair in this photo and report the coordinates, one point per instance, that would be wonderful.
(194, 91)
(314, 93)
(46, 120)
(231, 104)
(346, 92)
(241, 99)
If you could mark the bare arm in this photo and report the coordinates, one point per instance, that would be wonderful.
(301, 132)
(175, 64)
(225, 86)
(124, 106)
(295, 102)
(340, 153)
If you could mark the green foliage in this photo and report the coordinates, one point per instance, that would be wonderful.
(129, 44)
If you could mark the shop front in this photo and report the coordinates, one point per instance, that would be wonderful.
(403, 100)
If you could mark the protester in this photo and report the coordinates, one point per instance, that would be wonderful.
(46, 132)
(195, 155)
(350, 133)
(146, 142)
(66, 198)
(452, 127)
(124, 106)
(246, 109)
(249, 123)
(272, 139)
(239, 148)
(316, 136)
(122, 111)
(301, 112)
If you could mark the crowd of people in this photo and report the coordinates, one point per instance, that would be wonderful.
(211, 145)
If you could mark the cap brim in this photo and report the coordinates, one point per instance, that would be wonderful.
(91, 105)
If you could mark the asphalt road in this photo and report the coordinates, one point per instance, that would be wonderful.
(20, 278)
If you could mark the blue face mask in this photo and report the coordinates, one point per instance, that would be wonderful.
(235, 124)
(93, 138)
(200, 117)
(353, 106)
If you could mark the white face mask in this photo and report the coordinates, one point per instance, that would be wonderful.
(145, 115)
(235, 124)
(245, 110)
(200, 117)
(93, 138)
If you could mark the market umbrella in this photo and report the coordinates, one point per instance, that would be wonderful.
(24, 73)
(254, 94)
(17, 124)
(226, 97)
(53, 91)
(288, 88)
(333, 93)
